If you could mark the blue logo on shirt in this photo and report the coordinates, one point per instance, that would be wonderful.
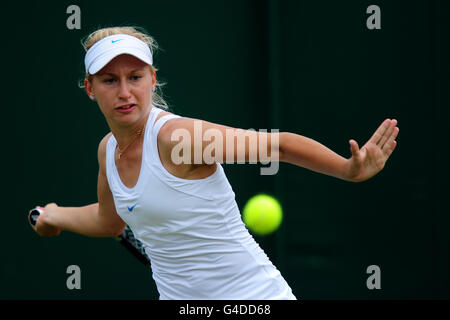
(114, 41)
(131, 208)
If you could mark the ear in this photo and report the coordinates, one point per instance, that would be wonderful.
(153, 80)
(88, 88)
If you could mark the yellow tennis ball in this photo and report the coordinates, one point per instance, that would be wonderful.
(262, 214)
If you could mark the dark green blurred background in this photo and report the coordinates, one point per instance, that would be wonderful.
(304, 66)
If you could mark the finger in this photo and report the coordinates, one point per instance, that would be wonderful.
(389, 149)
(354, 148)
(387, 134)
(380, 131)
(390, 144)
(392, 137)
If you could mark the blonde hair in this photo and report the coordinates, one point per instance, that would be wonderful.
(141, 34)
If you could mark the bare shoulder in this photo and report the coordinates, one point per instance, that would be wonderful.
(184, 139)
(162, 114)
(171, 125)
(165, 133)
(102, 151)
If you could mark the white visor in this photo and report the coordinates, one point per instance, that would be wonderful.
(103, 51)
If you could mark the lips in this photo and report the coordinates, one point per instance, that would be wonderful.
(127, 106)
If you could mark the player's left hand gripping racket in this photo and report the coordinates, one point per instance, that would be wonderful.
(126, 239)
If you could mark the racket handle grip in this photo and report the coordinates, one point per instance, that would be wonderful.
(34, 214)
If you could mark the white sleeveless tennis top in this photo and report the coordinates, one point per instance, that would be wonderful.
(192, 230)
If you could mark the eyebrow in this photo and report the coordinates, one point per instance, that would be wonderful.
(113, 75)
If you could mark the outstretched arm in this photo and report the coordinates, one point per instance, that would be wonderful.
(193, 137)
(364, 163)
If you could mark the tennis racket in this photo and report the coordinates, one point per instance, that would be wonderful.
(127, 239)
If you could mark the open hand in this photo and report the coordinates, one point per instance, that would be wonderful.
(371, 158)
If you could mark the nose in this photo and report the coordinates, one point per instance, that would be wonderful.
(124, 92)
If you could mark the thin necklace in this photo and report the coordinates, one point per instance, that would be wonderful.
(121, 151)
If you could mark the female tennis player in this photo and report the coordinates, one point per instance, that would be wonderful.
(184, 212)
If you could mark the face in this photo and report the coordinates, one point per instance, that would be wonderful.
(123, 88)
